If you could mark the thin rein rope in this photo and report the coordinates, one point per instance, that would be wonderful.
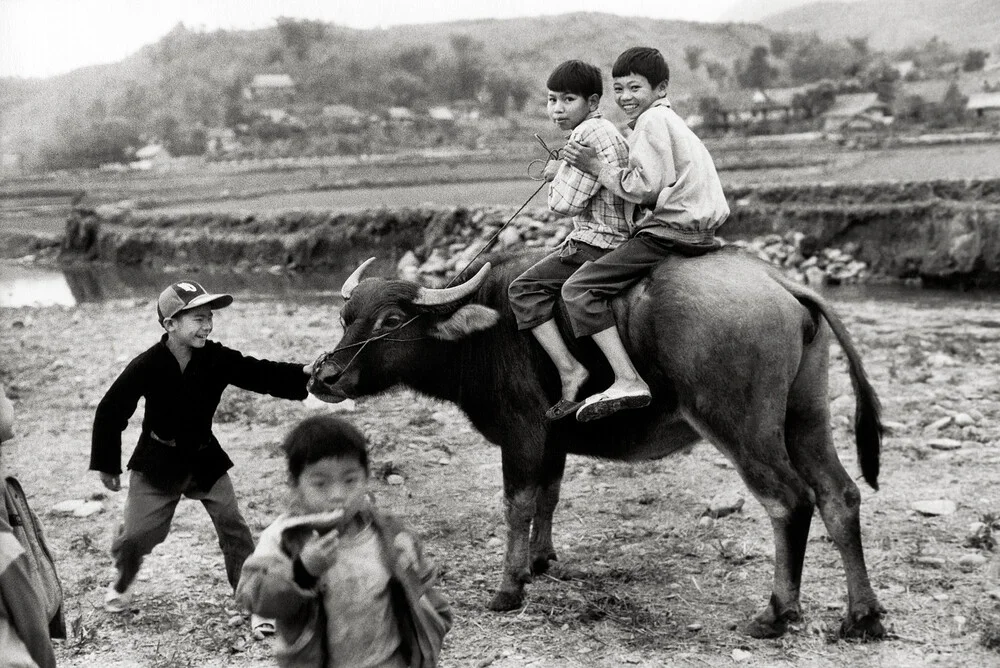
(489, 243)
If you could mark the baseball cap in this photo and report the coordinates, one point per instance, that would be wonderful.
(185, 295)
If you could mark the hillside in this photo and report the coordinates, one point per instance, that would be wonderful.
(896, 24)
(755, 11)
(191, 76)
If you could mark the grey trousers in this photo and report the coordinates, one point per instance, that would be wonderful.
(149, 511)
(588, 292)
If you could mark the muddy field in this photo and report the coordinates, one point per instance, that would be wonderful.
(641, 581)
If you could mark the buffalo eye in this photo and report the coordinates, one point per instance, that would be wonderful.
(390, 321)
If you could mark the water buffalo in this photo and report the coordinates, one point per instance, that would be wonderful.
(734, 352)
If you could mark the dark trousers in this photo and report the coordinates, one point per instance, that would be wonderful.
(149, 510)
(588, 291)
(533, 294)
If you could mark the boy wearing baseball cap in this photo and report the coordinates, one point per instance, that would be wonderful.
(182, 378)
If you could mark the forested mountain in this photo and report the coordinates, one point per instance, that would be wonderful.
(196, 78)
(756, 11)
(190, 81)
(897, 24)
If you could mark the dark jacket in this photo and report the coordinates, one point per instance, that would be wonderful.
(176, 439)
(268, 587)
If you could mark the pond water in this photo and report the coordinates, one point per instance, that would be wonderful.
(29, 286)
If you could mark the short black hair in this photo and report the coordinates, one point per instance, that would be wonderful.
(321, 437)
(643, 60)
(576, 76)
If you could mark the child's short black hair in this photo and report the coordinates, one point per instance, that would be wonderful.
(320, 437)
(576, 76)
(643, 60)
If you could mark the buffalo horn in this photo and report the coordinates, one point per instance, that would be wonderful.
(439, 296)
(355, 278)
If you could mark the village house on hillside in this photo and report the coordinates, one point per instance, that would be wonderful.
(983, 105)
(344, 116)
(270, 89)
(151, 156)
(857, 111)
(401, 115)
(441, 113)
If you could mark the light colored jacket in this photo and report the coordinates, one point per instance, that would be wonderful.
(670, 180)
(267, 587)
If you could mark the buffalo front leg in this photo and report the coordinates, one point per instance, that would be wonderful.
(542, 549)
(520, 506)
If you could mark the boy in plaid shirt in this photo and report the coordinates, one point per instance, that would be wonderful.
(599, 220)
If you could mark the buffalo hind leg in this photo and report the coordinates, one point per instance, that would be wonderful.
(542, 549)
(814, 456)
(788, 502)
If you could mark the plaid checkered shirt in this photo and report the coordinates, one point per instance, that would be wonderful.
(599, 217)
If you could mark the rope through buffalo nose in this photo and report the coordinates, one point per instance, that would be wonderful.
(364, 343)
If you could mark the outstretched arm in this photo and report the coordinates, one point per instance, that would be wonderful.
(649, 171)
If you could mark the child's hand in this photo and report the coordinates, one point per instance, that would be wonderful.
(320, 552)
(111, 481)
(308, 369)
(550, 169)
(582, 157)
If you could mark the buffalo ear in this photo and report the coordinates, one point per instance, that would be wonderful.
(466, 320)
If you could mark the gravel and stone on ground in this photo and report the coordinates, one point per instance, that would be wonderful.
(660, 563)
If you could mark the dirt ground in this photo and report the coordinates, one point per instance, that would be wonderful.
(641, 582)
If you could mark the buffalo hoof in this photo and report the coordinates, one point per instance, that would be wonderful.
(541, 563)
(864, 623)
(771, 624)
(505, 601)
(762, 630)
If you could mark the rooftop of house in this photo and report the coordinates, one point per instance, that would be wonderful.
(984, 101)
(852, 104)
(272, 81)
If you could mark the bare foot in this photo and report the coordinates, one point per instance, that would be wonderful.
(573, 381)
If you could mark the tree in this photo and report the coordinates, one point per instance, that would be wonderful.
(951, 110)
(692, 54)
(712, 112)
(974, 60)
(814, 60)
(758, 73)
(417, 60)
(298, 35)
(520, 93)
(859, 45)
(815, 101)
(716, 71)
(468, 74)
(232, 102)
(780, 43)
(881, 78)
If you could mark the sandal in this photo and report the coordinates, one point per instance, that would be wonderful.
(261, 626)
(562, 408)
(608, 402)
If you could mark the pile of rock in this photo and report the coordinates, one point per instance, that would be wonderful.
(794, 252)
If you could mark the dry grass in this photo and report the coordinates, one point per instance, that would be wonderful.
(639, 582)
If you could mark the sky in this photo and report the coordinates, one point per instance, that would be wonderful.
(41, 38)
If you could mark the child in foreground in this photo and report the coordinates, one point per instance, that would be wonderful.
(346, 584)
(24, 630)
